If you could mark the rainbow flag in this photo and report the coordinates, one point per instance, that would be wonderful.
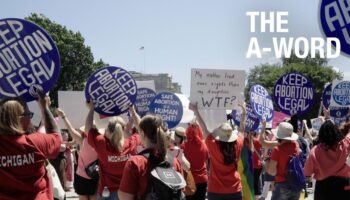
(245, 169)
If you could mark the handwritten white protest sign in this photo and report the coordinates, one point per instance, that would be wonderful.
(217, 89)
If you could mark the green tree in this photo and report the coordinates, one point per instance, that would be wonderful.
(77, 61)
(316, 69)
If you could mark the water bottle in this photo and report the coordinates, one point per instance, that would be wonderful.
(105, 192)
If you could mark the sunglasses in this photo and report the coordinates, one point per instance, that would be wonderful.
(29, 114)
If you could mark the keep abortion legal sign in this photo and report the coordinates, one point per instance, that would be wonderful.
(112, 89)
(261, 102)
(340, 94)
(217, 89)
(294, 94)
(29, 59)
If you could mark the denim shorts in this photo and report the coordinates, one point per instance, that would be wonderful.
(283, 191)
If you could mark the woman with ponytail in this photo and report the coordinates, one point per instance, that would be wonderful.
(224, 146)
(113, 148)
(135, 179)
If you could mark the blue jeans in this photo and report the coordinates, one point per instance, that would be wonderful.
(112, 196)
(282, 191)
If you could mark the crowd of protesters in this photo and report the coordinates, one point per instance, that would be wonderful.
(208, 160)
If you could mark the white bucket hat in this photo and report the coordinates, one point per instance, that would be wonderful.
(180, 131)
(225, 133)
(285, 132)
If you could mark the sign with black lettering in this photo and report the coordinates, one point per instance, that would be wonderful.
(143, 100)
(293, 94)
(252, 122)
(261, 102)
(217, 89)
(112, 89)
(169, 107)
(29, 59)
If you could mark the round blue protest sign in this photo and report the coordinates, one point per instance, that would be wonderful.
(334, 20)
(326, 96)
(341, 93)
(338, 112)
(293, 94)
(143, 100)
(261, 102)
(252, 122)
(112, 89)
(29, 59)
(169, 107)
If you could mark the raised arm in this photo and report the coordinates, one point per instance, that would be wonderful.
(135, 117)
(89, 122)
(75, 134)
(243, 121)
(262, 141)
(194, 108)
(48, 119)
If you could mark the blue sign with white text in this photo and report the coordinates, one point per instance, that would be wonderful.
(261, 102)
(335, 22)
(169, 107)
(326, 96)
(252, 122)
(341, 93)
(294, 94)
(29, 59)
(143, 100)
(112, 89)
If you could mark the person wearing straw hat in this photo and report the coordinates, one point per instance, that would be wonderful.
(225, 146)
(278, 165)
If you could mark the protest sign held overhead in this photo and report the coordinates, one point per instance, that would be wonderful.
(143, 100)
(340, 94)
(29, 59)
(112, 89)
(326, 96)
(168, 106)
(293, 94)
(316, 124)
(261, 102)
(252, 122)
(217, 89)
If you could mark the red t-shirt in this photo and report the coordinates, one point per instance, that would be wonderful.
(281, 154)
(136, 173)
(223, 178)
(196, 152)
(22, 165)
(258, 148)
(112, 161)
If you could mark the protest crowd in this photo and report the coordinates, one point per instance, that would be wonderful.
(157, 154)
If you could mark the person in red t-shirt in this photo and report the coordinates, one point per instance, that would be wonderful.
(134, 183)
(113, 148)
(225, 146)
(257, 165)
(278, 165)
(327, 162)
(197, 153)
(22, 157)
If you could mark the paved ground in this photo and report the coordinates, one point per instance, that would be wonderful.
(73, 196)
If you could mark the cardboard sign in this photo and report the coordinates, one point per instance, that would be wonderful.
(340, 94)
(334, 21)
(261, 102)
(143, 100)
(217, 89)
(326, 95)
(252, 122)
(169, 107)
(293, 94)
(29, 59)
(316, 124)
(112, 89)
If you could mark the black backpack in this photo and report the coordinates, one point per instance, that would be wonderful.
(164, 181)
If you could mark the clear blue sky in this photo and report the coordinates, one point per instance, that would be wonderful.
(177, 35)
